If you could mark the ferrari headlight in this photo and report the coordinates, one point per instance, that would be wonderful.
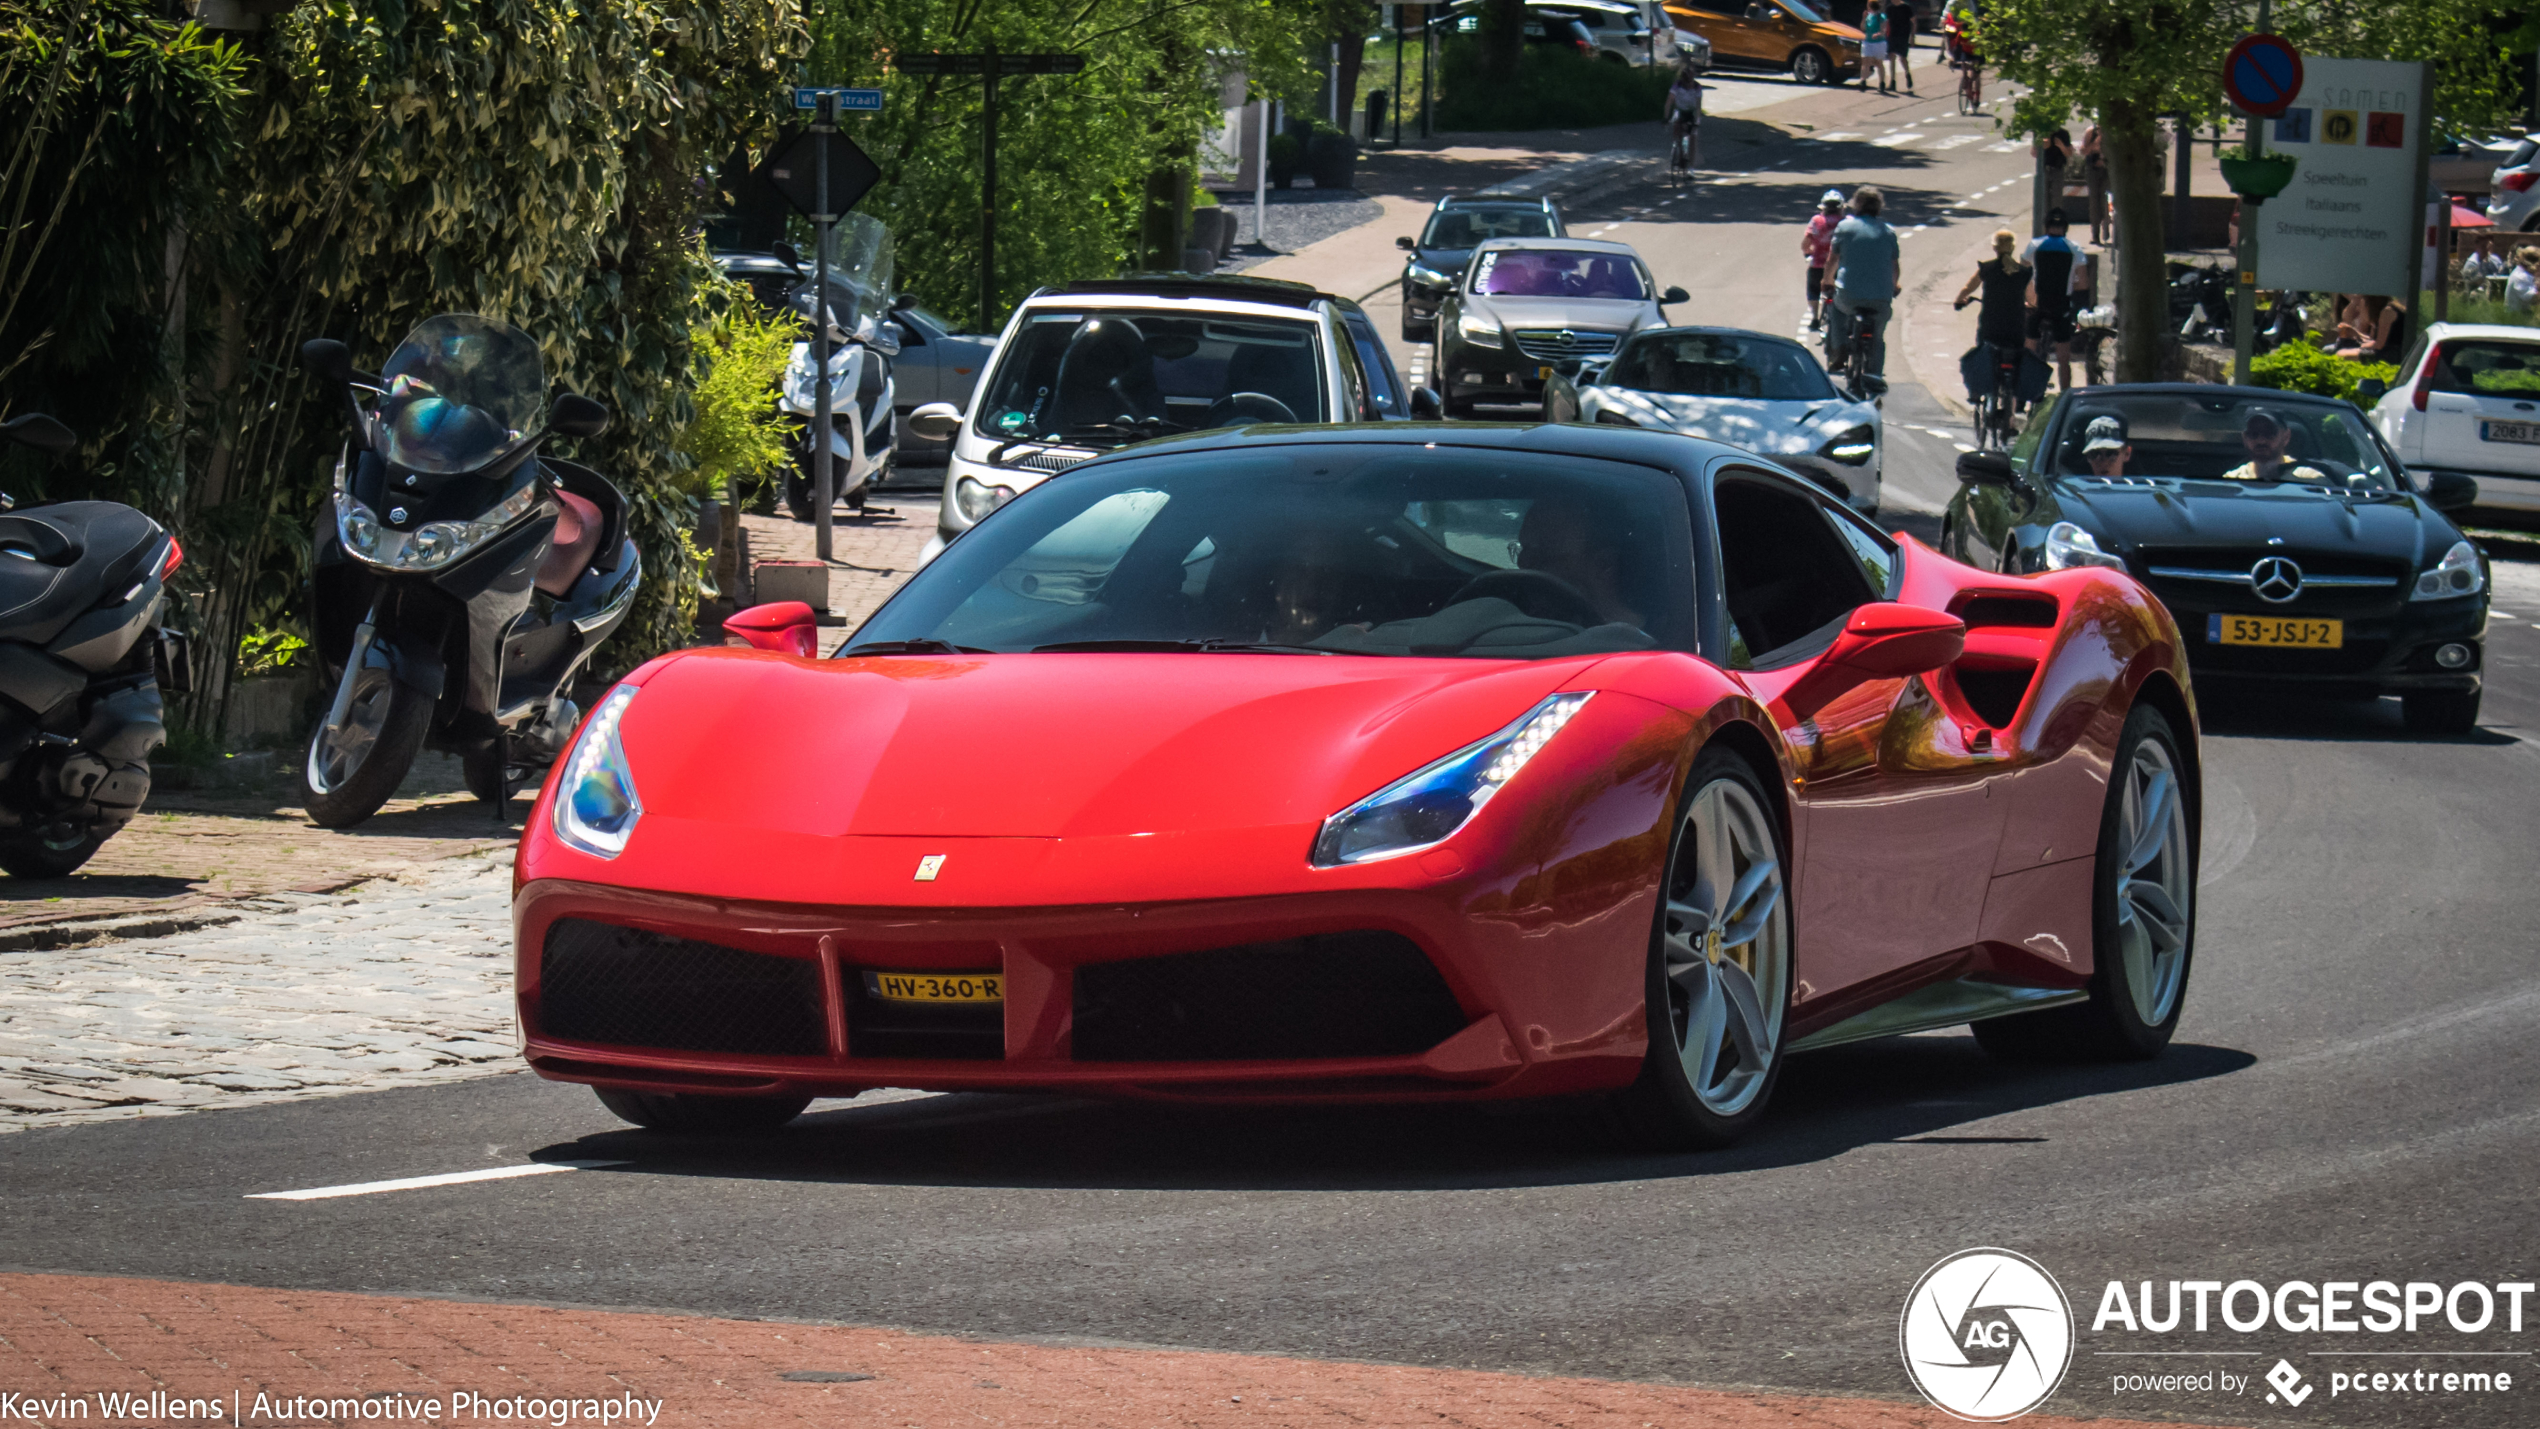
(2067, 546)
(1428, 806)
(2457, 573)
(976, 498)
(596, 803)
(1853, 447)
(1478, 330)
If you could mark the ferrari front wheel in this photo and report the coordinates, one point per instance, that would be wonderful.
(690, 1115)
(2142, 914)
(1719, 967)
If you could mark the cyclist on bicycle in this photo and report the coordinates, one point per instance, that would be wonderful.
(1817, 245)
(1869, 268)
(1684, 119)
(2001, 324)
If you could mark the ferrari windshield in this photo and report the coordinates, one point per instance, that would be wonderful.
(1710, 364)
(2266, 440)
(1360, 549)
(1557, 273)
(461, 390)
(1096, 378)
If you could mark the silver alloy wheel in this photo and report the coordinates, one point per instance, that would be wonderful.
(2155, 884)
(1726, 948)
(336, 752)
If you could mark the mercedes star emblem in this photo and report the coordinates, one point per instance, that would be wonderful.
(2275, 579)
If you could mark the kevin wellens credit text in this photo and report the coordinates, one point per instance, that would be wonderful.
(240, 1409)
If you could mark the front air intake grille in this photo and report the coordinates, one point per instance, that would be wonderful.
(1362, 994)
(625, 987)
(1562, 344)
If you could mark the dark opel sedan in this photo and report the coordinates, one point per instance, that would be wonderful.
(2288, 542)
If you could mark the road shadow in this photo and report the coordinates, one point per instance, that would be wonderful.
(2262, 713)
(17, 893)
(1907, 1090)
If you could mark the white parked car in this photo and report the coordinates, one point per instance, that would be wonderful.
(1100, 364)
(1750, 389)
(2467, 400)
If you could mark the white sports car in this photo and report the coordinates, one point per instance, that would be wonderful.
(1750, 389)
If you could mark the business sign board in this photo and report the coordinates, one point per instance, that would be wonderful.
(2350, 220)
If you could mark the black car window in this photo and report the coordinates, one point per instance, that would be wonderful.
(1103, 378)
(2180, 434)
(1384, 385)
(2487, 367)
(1787, 577)
(1470, 227)
(1707, 364)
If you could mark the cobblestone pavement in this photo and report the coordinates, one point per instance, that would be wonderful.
(394, 983)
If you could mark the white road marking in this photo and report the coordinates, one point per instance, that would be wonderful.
(1962, 446)
(1955, 140)
(411, 1183)
(2011, 146)
(1898, 141)
(1834, 137)
(1944, 435)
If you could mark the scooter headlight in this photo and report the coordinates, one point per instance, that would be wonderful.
(434, 544)
(356, 525)
(596, 804)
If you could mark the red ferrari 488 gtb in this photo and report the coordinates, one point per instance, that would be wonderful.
(1365, 763)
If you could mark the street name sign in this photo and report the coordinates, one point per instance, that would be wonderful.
(850, 101)
(2352, 219)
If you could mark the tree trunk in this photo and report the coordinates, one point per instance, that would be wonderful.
(1353, 43)
(2129, 132)
(1503, 38)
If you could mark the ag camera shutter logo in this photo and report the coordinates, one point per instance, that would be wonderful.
(1986, 1335)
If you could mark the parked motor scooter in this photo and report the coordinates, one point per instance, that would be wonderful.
(461, 578)
(82, 664)
(862, 342)
(2200, 301)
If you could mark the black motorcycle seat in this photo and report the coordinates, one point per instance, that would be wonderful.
(56, 561)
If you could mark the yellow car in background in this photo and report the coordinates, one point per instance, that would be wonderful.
(1773, 34)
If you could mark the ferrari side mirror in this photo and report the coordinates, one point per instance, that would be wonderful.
(786, 626)
(1986, 469)
(1889, 640)
(2450, 491)
(936, 421)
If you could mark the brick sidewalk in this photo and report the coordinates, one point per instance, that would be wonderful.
(871, 552)
(76, 1336)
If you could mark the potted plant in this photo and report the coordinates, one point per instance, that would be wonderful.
(1286, 157)
(2256, 177)
(1333, 158)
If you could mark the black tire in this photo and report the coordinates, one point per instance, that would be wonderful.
(1662, 1111)
(34, 858)
(482, 770)
(2440, 711)
(683, 1114)
(798, 496)
(2111, 1025)
(356, 794)
(1418, 331)
(1811, 66)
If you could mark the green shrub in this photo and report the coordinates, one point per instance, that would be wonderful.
(2300, 367)
(1556, 88)
(740, 356)
(271, 650)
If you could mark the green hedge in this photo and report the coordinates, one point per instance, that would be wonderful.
(1556, 88)
(2300, 367)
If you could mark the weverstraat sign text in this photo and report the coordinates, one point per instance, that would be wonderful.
(2349, 222)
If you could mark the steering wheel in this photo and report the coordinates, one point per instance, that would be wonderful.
(1237, 408)
(1540, 594)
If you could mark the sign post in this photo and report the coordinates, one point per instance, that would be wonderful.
(823, 174)
(2262, 74)
(989, 66)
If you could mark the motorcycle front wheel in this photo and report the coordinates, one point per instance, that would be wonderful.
(39, 858)
(354, 767)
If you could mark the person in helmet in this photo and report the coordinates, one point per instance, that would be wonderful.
(1816, 244)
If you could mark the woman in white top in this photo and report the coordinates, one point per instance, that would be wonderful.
(2522, 290)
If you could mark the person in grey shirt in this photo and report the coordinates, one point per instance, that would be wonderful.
(1869, 269)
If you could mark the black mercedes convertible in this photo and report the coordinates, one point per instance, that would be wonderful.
(2284, 536)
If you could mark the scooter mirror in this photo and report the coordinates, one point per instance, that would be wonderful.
(326, 358)
(578, 416)
(935, 421)
(786, 255)
(45, 434)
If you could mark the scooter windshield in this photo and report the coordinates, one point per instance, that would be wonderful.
(461, 390)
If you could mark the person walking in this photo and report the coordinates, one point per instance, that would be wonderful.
(2094, 174)
(1874, 46)
(1869, 270)
(1816, 245)
(1901, 21)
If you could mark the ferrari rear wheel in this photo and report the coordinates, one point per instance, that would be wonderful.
(1719, 967)
(2143, 914)
(690, 1115)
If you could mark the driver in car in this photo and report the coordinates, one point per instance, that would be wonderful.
(2104, 446)
(1564, 542)
(2266, 438)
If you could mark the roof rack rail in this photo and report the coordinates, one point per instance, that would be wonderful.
(1232, 286)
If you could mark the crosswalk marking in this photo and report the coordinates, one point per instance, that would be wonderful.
(2008, 146)
(1835, 137)
(1955, 140)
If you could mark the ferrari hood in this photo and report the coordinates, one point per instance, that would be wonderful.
(2175, 515)
(1051, 745)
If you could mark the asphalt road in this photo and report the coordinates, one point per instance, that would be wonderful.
(2354, 1095)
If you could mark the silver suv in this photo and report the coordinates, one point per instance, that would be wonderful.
(2514, 205)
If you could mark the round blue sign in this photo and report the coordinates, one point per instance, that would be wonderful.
(2262, 75)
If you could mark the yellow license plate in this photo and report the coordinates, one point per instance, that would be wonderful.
(936, 987)
(1543, 373)
(2279, 630)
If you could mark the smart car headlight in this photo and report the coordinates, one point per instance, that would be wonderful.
(2458, 573)
(1427, 806)
(1478, 330)
(976, 498)
(2068, 545)
(596, 802)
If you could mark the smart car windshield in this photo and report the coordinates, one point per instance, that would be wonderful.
(461, 390)
(1318, 549)
(1706, 364)
(1470, 228)
(1557, 273)
(1100, 378)
(2259, 440)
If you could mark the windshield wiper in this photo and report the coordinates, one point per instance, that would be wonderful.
(1209, 646)
(913, 647)
(1136, 431)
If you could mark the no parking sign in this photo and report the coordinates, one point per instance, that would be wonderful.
(2262, 74)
